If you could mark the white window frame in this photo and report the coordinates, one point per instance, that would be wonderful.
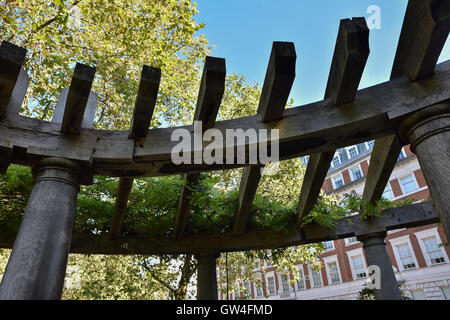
(256, 288)
(353, 253)
(348, 243)
(311, 278)
(272, 275)
(401, 184)
(420, 235)
(348, 152)
(350, 170)
(342, 178)
(288, 282)
(399, 241)
(332, 246)
(367, 144)
(336, 154)
(388, 185)
(326, 261)
(302, 279)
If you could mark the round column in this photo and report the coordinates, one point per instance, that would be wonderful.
(206, 276)
(37, 265)
(428, 132)
(377, 255)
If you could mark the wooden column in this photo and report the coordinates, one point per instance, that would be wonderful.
(377, 255)
(206, 276)
(37, 266)
(428, 131)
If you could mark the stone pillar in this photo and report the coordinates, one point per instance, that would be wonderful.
(377, 255)
(206, 276)
(37, 266)
(428, 132)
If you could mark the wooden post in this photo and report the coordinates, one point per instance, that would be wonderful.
(37, 266)
(206, 276)
(428, 131)
(377, 255)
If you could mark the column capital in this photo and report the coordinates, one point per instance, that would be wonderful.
(425, 123)
(57, 169)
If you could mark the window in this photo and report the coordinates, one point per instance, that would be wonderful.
(369, 144)
(409, 184)
(350, 241)
(418, 294)
(333, 272)
(402, 155)
(433, 250)
(352, 152)
(405, 255)
(358, 267)
(338, 181)
(237, 295)
(304, 160)
(356, 173)
(387, 193)
(248, 292)
(271, 285)
(259, 291)
(316, 278)
(329, 245)
(446, 292)
(300, 281)
(336, 161)
(285, 283)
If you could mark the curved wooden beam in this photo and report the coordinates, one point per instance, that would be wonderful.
(312, 128)
(403, 217)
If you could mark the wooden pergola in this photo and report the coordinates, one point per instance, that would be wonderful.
(413, 107)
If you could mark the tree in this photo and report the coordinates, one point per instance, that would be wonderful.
(117, 37)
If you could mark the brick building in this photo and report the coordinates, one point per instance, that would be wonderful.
(420, 262)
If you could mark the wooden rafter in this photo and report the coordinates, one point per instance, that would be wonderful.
(210, 95)
(425, 29)
(140, 123)
(349, 59)
(275, 93)
(313, 128)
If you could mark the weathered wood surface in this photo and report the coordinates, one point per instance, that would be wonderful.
(37, 265)
(404, 217)
(349, 59)
(382, 161)
(120, 206)
(145, 102)
(210, 95)
(89, 113)
(312, 128)
(277, 85)
(77, 99)
(425, 29)
(206, 276)
(11, 60)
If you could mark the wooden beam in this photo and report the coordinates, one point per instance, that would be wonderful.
(11, 60)
(307, 129)
(403, 217)
(278, 81)
(382, 161)
(145, 102)
(77, 98)
(120, 210)
(349, 59)
(210, 95)
(425, 29)
(142, 115)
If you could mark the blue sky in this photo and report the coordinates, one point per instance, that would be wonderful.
(243, 31)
